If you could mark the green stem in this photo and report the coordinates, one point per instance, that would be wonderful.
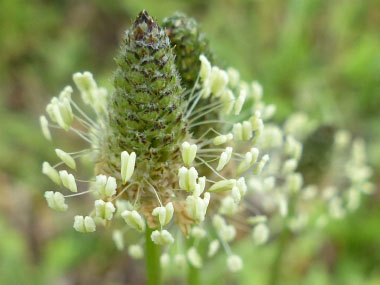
(275, 271)
(153, 266)
(193, 277)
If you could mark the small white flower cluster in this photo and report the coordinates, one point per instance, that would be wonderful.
(205, 160)
(199, 154)
(351, 179)
(349, 164)
(91, 94)
(208, 186)
(60, 111)
(104, 186)
(281, 187)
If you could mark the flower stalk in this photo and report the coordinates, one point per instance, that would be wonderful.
(152, 260)
(193, 276)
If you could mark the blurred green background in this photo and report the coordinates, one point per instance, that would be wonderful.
(319, 56)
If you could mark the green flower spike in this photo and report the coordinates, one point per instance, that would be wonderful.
(198, 159)
(189, 43)
(145, 111)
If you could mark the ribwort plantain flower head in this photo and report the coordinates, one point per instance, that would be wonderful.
(201, 161)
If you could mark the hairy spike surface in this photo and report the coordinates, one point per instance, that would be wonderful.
(146, 109)
(189, 43)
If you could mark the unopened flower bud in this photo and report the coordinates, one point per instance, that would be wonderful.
(260, 166)
(198, 232)
(66, 158)
(221, 186)
(256, 121)
(205, 70)
(127, 165)
(187, 178)
(134, 220)
(224, 158)
(60, 110)
(228, 100)
(213, 248)
(239, 190)
(237, 131)
(117, 237)
(222, 139)
(56, 201)
(164, 214)
(293, 148)
(269, 111)
(218, 222)
(50, 172)
(105, 186)
(188, 152)
(249, 160)
(228, 206)
(218, 81)
(236, 194)
(289, 166)
(242, 186)
(68, 181)
(200, 186)
(162, 237)
(122, 205)
(260, 234)
(197, 207)
(45, 127)
(282, 205)
(227, 233)
(194, 258)
(246, 130)
(135, 251)
(206, 89)
(104, 210)
(87, 86)
(84, 224)
(294, 182)
(234, 263)
(240, 101)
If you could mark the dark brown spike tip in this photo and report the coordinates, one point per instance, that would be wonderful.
(144, 17)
